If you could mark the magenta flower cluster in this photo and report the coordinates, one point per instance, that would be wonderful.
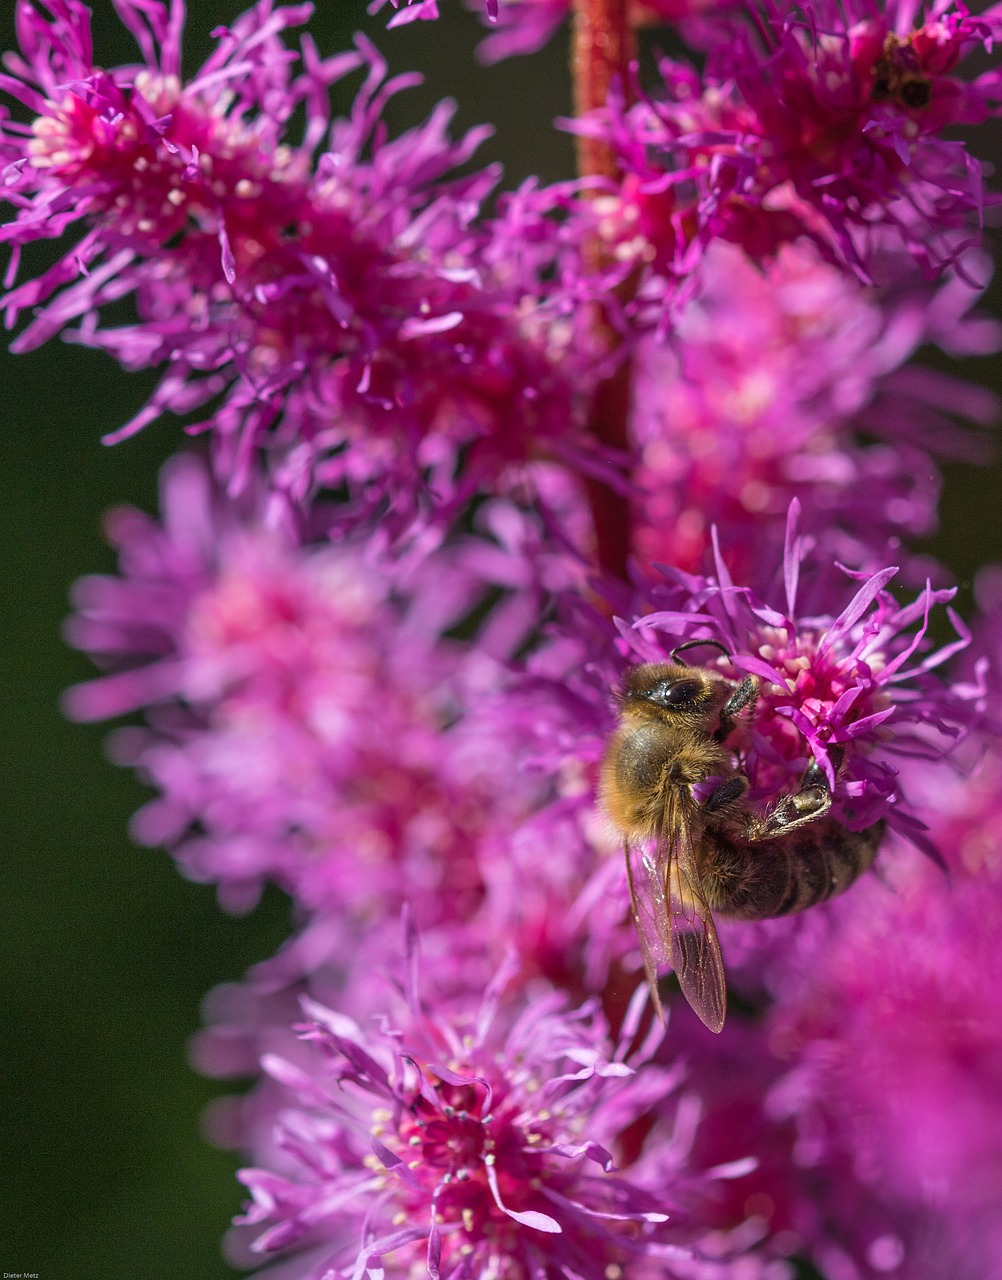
(458, 460)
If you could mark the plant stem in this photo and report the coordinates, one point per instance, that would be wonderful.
(602, 49)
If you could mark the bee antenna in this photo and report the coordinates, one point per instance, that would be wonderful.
(693, 644)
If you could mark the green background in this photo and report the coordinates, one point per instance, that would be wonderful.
(107, 951)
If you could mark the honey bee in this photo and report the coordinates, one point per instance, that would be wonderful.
(687, 858)
(897, 77)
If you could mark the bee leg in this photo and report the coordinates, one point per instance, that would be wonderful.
(729, 790)
(744, 695)
(812, 799)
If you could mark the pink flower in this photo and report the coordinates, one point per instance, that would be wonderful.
(333, 290)
(460, 1146)
(378, 667)
(889, 1023)
(822, 121)
(852, 690)
(761, 393)
(860, 1061)
(304, 728)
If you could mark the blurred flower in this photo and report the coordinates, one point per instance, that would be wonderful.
(860, 1059)
(413, 11)
(306, 728)
(762, 392)
(520, 27)
(888, 1020)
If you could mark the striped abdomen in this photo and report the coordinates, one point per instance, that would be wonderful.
(756, 880)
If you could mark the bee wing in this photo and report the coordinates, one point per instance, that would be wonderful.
(673, 917)
(695, 951)
(648, 898)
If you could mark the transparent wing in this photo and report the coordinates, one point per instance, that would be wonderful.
(648, 897)
(695, 951)
(672, 915)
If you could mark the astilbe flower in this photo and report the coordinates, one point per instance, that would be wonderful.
(521, 28)
(354, 321)
(859, 1064)
(761, 394)
(310, 726)
(887, 1022)
(249, 1020)
(305, 727)
(467, 1147)
(856, 683)
(554, 884)
(552, 905)
(860, 1061)
(808, 1199)
(848, 677)
(822, 120)
(253, 1020)
(415, 11)
(328, 294)
(550, 886)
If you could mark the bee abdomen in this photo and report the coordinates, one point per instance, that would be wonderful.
(755, 881)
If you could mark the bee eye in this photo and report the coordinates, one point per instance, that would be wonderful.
(675, 693)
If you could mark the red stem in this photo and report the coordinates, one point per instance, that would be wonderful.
(602, 49)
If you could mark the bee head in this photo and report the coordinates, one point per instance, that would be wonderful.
(674, 688)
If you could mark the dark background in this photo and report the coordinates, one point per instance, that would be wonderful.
(107, 951)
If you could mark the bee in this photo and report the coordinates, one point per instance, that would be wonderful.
(687, 858)
(897, 77)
